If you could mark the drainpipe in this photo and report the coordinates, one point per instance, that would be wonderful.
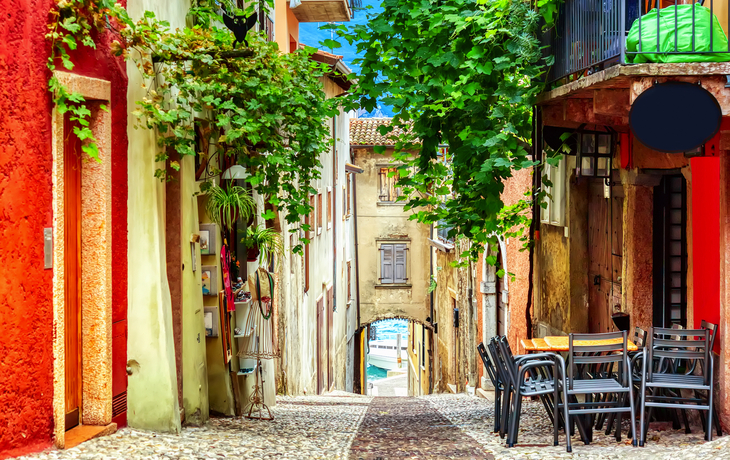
(357, 243)
(434, 342)
(334, 217)
(536, 181)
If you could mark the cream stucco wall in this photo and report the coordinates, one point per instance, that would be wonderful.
(152, 393)
(378, 221)
(329, 252)
(194, 364)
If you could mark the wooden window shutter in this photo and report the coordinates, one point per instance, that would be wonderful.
(384, 186)
(386, 263)
(400, 273)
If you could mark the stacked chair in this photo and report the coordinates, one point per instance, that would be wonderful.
(517, 377)
(672, 358)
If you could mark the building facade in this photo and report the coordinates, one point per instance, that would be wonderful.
(54, 200)
(630, 228)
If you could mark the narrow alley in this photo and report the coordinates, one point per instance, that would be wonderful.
(346, 426)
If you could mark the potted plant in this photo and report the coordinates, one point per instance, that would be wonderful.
(262, 241)
(226, 205)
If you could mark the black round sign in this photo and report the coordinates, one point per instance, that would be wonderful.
(675, 117)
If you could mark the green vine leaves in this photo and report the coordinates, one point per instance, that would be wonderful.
(74, 23)
(266, 110)
(459, 73)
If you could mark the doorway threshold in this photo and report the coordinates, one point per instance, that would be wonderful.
(82, 433)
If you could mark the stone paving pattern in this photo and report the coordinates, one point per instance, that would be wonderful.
(341, 425)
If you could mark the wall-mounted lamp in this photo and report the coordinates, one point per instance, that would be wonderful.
(595, 150)
(235, 172)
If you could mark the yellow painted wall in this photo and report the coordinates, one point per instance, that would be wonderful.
(152, 392)
(194, 367)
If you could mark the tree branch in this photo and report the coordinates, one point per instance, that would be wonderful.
(216, 54)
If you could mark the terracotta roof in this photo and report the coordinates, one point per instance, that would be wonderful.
(364, 131)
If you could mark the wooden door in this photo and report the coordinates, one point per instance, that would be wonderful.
(72, 270)
(605, 243)
(330, 338)
(320, 345)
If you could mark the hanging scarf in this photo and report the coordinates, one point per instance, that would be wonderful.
(225, 268)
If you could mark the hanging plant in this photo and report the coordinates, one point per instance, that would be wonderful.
(265, 242)
(227, 205)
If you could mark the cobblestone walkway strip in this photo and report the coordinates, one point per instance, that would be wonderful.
(404, 427)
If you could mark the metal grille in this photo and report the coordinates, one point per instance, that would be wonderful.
(590, 35)
(119, 404)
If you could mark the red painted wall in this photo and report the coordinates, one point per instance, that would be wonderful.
(706, 240)
(26, 317)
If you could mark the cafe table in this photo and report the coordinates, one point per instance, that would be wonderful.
(561, 343)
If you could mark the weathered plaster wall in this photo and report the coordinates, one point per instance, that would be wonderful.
(152, 396)
(518, 264)
(637, 274)
(387, 221)
(329, 251)
(25, 203)
(561, 265)
(721, 365)
(25, 193)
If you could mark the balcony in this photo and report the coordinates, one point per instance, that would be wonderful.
(323, 11)
(593, 35)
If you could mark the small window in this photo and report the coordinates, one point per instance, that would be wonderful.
(393, 263)
(554, 211)
(306, 267)
(330, 208)
(349, 280)
(389, 192)
(309, 219)
(348, 200)
(319, 213)
(442, 231)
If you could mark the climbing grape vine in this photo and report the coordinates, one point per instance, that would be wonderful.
(261, 108)
(461, 73)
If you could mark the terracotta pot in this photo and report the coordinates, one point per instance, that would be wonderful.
(252, 254)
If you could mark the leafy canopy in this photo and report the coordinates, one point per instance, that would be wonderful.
(462, 73)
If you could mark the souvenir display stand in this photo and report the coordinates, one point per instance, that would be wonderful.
(256, 348)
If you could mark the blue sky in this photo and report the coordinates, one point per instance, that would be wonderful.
(311, 35)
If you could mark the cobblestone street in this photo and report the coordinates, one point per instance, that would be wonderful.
(358, 427)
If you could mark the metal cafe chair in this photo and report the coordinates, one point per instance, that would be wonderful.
(523, 381)
(640, 336)
(594, 351)
(674, 345)
(713, 329)
(496, 382)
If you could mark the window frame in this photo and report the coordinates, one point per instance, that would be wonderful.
(404, 282)
(348, 186)
(319, 213)
(554, 211)
(330, 208)
(393, 191)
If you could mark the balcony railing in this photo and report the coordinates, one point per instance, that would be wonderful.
(591, 35)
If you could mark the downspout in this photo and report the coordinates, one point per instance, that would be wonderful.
(357, 244)
(534, 229)
(434, 342)
(334, 216)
